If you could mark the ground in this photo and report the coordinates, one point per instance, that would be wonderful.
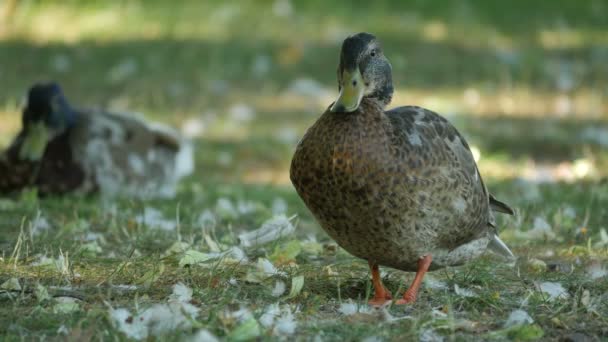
(526, 83)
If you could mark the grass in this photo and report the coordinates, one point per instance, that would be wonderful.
(525, 82)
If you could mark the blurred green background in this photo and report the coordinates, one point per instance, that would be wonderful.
(526, 82)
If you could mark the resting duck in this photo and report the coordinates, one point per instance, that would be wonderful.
(398, 188)
(63, 150)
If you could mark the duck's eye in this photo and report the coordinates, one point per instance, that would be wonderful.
(373, 53)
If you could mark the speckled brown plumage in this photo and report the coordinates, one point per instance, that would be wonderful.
(393, 186)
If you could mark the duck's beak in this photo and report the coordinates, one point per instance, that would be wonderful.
(353, 88)
(36, 137)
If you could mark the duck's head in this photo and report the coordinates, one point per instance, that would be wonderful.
(364, 72)
(46, 115)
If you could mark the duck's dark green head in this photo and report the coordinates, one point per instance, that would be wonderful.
(46, 115)
(364, 72)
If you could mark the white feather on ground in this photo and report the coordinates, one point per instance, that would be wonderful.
(553, 290)
(518, 317)
(158, 319)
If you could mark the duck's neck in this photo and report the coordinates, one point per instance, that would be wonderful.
(71, 116)
(383, 95)
(373, 105)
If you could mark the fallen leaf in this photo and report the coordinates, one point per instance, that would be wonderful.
(287, 252)
(90, 249)
(12, 284)
(41, 293)
(64, 305)
(248, 330)
(263, 270)
(537, 265)
(277, 227)
(178, 247)
(297, 283)
(192, 257)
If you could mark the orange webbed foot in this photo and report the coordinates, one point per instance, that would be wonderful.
(410, 295)
(382, 296)
(381, 299)
(408, 298)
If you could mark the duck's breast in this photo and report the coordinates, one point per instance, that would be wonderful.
(55, 173)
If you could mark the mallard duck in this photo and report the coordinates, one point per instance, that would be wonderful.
(398, 188)
(61, 149)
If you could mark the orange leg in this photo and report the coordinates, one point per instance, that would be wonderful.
(381, 294)
(412, 292)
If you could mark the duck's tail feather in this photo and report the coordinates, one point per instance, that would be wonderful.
(499, 206)
(184, 160)
(183, 149)
(497, 246)
(164, 137)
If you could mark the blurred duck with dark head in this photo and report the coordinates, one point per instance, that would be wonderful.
(61, 150)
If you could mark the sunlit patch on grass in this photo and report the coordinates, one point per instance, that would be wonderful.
(568, 38)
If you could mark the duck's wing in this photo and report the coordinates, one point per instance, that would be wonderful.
(183, 149)
(127, 155)
(58, 173)
(430, 133)
(443, 129)
(431, 143)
